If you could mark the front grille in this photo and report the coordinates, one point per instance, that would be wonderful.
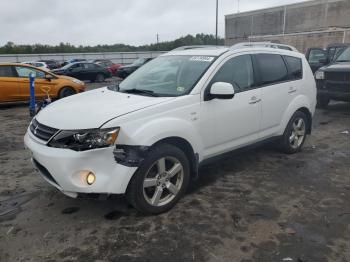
(41, 131)
(338, 86)
(338, 76)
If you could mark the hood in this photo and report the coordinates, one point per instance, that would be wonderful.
(93, 108)
(337, 67)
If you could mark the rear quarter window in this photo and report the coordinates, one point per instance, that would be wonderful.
(295, 67)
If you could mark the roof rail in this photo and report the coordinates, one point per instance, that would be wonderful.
(197, 47)
(263, 44)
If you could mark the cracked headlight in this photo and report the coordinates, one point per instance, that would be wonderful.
(319, 75)
(82, 140)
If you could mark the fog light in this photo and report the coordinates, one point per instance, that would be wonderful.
(90, 178)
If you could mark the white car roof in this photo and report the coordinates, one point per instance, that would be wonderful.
(264, 44)
(267, 50)
(210, 51)
(207, 51)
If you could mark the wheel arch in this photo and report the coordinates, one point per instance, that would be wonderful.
(308, 114)
(186, 147)
(302, 104)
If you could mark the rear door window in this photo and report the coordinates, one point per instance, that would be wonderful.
(272, 68)
(6, 71)
(90, 66)
(76, 67)
(295, 68)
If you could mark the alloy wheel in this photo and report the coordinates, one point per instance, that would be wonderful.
(163, 181)
(298, 131)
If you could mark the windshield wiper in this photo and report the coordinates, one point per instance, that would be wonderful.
(342, 60)
(139, 91)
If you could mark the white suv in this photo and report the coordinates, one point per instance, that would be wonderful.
(147, 136)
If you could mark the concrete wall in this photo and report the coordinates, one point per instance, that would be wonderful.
(311, 23)
(116, 57)
(303, 41)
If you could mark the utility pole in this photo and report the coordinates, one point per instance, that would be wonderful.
(157, 41)
(217, 15)
(238, 6)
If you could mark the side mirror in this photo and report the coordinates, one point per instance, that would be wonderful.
(48, 77)
(221, 90)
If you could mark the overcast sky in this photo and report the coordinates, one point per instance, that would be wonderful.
(136, 22)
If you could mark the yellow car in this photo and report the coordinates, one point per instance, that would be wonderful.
(14, 83)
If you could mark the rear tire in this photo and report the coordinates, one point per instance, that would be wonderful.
(66, 91)
(160, 181)
(322, 101)
(100, 78)
(295, 133)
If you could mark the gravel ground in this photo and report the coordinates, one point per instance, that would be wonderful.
(255, 204)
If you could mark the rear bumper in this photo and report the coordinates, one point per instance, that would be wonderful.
(64, 169)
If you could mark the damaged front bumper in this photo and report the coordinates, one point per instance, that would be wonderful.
(131, 156)
(64, 169)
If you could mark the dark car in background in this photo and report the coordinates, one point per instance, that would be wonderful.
(124, 71)
(84, 71)
(51, 63)
(108, 64)
(333, 80)
(74, 60)
(318, 57)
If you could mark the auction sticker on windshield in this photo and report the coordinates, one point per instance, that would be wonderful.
(180, 89)
(202, 58)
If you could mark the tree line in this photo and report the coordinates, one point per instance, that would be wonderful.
(198, 39)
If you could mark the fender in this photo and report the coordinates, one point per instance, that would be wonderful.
(298, 102)
(150, 133)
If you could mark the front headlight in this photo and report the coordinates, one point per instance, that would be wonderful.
(77, 81)
(82, 140)
(319, 75)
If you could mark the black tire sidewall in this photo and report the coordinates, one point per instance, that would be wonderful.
(135, 188)
(100, 78)
(64, 90)
(322, 102)
(287, 148)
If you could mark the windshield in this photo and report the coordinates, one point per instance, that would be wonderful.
(168, 75)
(139, 61)
(344, 56)
(67, 66)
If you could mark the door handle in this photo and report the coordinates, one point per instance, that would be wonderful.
(254, 100)
(292, 90)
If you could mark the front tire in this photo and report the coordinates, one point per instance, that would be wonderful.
(160, 181)
(322, 101)
(66, 91)
(295, 133)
